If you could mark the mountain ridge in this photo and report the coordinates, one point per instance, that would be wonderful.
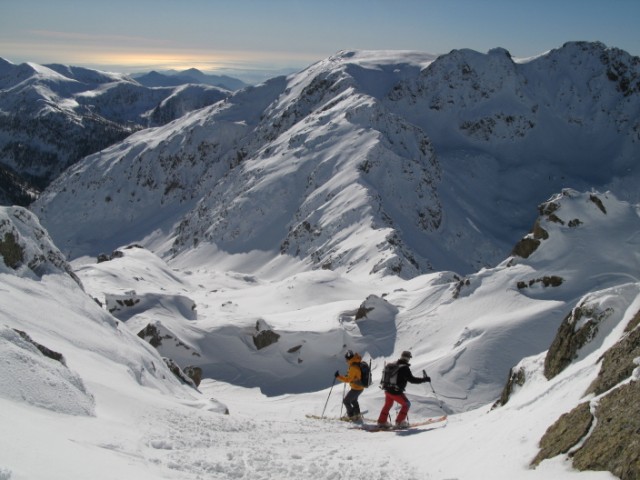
(51, 116)
(174, 78)
(328, 149)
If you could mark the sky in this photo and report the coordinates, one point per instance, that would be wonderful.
(266, 37)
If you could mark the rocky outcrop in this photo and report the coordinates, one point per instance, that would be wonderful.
(600, 434)
(151, 334)
(546, 281)
(529, 244)
(11, 252)
(163, 339)
(606, 439)
(565, 433)
(26, 248)
(177, 371)
(194, 373)
(614, 443)
(618, 362)
(264, 336)
(47, 352)
(517, 377)
(577, 329)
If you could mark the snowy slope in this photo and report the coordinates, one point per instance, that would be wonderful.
(133, 421)
(393, 162)
(457, 325)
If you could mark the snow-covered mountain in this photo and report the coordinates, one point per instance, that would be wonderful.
(52, 116)
(378, 161)
(377, 201)
(174, 78)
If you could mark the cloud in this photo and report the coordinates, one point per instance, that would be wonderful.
(132, 53)
(96, 39)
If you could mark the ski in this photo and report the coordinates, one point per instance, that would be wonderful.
(337, 419)
(412, 426)
(334, 419)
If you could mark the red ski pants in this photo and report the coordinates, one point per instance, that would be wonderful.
(389, 398)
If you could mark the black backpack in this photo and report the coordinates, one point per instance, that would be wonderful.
(365, 374)
(390, 375)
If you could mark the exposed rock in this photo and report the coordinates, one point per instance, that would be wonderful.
(529, 244)
(362, 311)
(598, 203)
(264, 336)
(576, 222)
(525, 247)
(11, 252)
(117, 303)
(603, 434)
(177, 371)
(47, 352)
(151, 334)
(163, 339)
(618, 362)
(577, 329)
(568, 430)
(614, 444)
(547, 281)
(464, 282)
(540, 233)
(194, 373)
(516, 377)
(26, 248)
(128, 304)
(634, 322)
(103, 257)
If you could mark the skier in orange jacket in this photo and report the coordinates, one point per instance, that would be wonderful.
(353, 378)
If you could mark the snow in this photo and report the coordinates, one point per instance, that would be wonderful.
(296, 237)
(114, 410)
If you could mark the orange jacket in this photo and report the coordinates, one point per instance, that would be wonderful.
(353, 374)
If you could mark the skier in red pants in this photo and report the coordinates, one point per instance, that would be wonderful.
(395, 381)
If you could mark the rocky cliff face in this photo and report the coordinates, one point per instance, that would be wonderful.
(26, 248)
(602, 432)
(601, 333)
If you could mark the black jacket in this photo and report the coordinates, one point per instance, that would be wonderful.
(404, 376)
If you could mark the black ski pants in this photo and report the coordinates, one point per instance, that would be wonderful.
(351, 402)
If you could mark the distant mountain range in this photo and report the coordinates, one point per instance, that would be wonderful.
(173, 78)
(51, 116)
(379, 161)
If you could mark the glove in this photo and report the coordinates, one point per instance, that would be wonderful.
(337, 374)
(426, 379)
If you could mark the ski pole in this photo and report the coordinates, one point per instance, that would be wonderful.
(325, 403)
(434, 393)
